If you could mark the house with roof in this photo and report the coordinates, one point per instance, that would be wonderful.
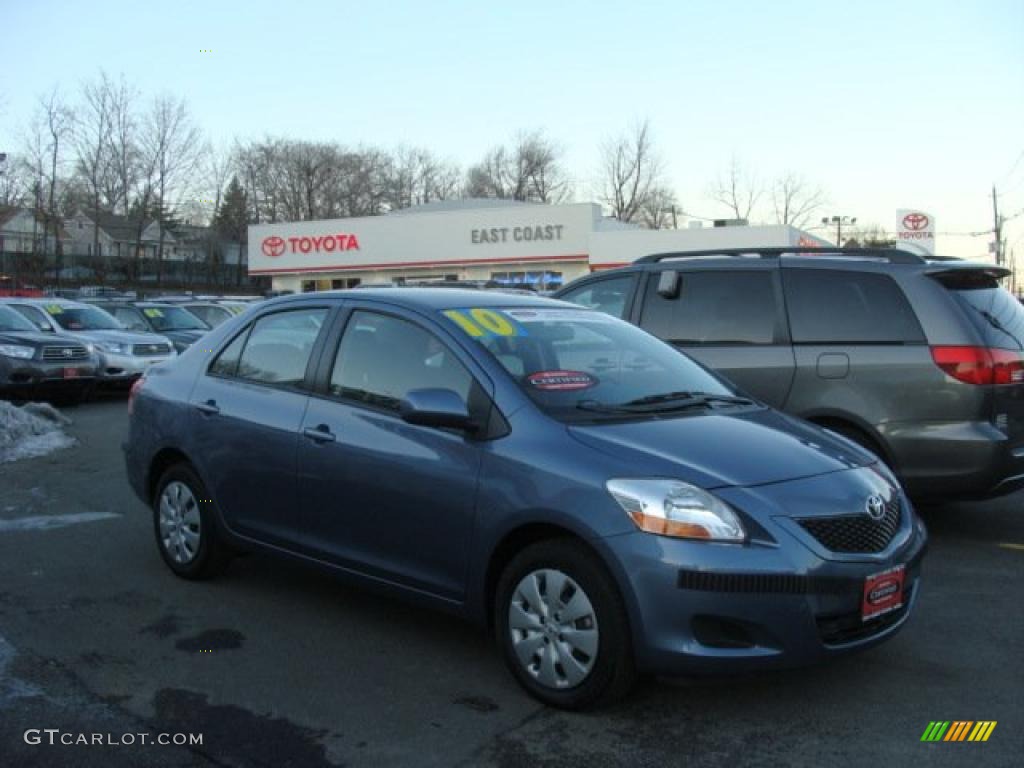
(21, 232)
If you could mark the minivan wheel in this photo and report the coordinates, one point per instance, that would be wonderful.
(562, 627)
(186, 532)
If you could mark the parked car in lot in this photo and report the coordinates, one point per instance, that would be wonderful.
(608, 505)
(36, 365)
(919, 360)
(211, 313)
(169, 320)
(123, 355)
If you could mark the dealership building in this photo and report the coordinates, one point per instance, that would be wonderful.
(515, 244)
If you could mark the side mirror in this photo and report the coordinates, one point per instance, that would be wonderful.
(668, 284)
(436, 408)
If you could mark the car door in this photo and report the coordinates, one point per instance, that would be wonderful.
(247, 409)
(381, 496)
(731, 320)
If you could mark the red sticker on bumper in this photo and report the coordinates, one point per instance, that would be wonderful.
(883, 592)
(561, 381)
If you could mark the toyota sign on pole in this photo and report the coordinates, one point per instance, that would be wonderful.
(916, 227)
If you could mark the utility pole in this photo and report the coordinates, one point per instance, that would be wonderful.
(997, 227)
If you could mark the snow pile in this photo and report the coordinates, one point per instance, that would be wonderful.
(35, 429)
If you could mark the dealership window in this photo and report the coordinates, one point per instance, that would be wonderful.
(732, 307)
(382, 358)
(608, 295)
(833, 306)
(277, 349)
(308, 286)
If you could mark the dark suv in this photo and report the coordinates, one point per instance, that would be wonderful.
(918, 359)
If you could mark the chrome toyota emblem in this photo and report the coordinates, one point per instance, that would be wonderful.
(68, 352)
(875, 507)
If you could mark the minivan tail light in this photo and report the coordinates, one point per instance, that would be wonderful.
(981, 365)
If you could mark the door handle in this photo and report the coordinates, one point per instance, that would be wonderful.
(320, 433)
(210, 407)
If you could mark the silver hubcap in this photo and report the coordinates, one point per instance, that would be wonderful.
(179, 522)
(554, 629)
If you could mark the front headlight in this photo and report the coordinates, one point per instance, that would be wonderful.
(15, 350)
(677, 509)
(112, 347)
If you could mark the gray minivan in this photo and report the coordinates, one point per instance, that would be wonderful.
(920, 360)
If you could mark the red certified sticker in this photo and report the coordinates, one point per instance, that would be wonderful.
(561, 381)
(883, 592)
(71, 373)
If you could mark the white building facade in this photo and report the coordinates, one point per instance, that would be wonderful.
(540, 246)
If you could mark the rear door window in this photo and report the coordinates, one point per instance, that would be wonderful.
(844, 307)
(714, 308)
(610, 295)
(995, 312)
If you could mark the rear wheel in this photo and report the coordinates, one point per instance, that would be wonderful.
(562, 627)
(183, 520)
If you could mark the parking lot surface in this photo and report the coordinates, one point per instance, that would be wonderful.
(276, 665)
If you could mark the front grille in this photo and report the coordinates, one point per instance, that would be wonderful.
(855, 533)
(148, 350)
(65, 353)
(765, 583)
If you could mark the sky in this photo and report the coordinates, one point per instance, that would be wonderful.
(885, 105)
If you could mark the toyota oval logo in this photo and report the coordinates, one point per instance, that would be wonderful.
(68, 352)
(875, 507)
(915, 222)
(272, 246)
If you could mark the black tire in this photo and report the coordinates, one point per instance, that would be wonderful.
(613, 671)
(212, 554)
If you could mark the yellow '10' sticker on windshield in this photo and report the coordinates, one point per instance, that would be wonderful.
(54, 309)
(485, 322)
(152, 312)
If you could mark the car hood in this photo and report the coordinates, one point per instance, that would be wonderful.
(121, 337)
(714, 450)
(33, 339)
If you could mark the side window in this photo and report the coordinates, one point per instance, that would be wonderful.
(381, 358)
(226, 363)
(734, 307)
(33, 315)
(279, 345)
(130, 319)
(609, 296)
(836, 307)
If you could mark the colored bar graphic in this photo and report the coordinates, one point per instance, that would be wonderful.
(958, 730)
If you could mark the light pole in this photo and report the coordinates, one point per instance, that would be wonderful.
(839, 221)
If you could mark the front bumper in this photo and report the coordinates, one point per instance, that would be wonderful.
(36, 376)
(114, 367)
(955, 459)
(699, 607)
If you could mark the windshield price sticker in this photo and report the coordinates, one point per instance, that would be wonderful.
(54, 309)
(561, 381)
(559, 316)
(152, 312)
(481, 322)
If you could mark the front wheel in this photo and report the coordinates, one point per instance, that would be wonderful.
(186, 532)
(562, 626)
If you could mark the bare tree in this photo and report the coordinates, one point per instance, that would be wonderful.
(92, 129)
(172, 144)
(529, 170)
(15, 181)
(125, 158)
(795, 200)
(46, 147)
(738, 189)
(631, 170)
(659, 209)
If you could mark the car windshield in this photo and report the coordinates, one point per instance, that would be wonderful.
(579, 364)
(82, 318)
(12, 321)
(173, 319)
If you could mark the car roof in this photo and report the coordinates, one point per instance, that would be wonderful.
(46, 301)
(429, 298)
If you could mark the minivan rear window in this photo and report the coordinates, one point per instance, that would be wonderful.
(995, 312)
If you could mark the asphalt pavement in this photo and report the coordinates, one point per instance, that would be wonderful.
(276, 665)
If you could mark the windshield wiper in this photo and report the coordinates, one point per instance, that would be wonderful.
(686, 399)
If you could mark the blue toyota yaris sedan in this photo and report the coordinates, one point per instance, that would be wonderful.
(609, 506)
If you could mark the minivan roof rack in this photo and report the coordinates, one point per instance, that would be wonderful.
(894, 255)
